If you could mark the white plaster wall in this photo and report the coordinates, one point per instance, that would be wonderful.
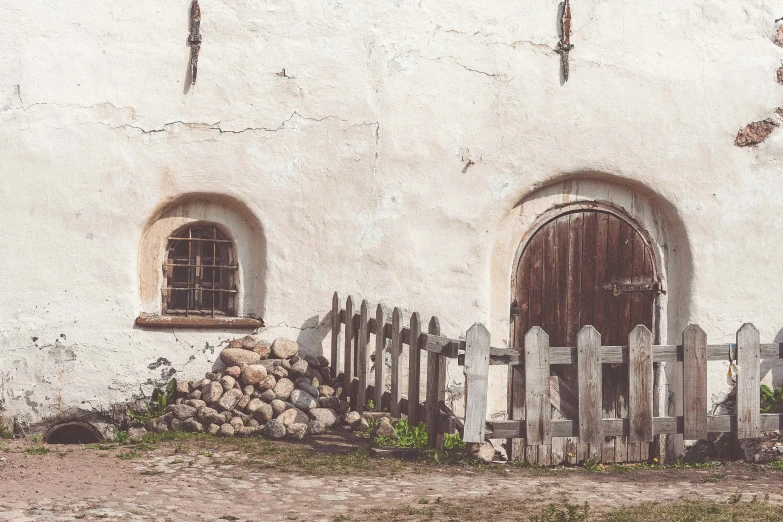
(353, 163)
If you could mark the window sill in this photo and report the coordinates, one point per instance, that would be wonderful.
(193, 321)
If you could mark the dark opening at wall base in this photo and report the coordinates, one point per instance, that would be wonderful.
(74, 432)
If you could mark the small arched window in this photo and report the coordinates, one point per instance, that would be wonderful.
(200, 272)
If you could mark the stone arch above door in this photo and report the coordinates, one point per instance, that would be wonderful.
(655, 218)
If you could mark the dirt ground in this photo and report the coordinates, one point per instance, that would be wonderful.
(324, 481)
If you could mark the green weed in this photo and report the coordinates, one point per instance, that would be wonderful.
(565, 513)
(38, 449)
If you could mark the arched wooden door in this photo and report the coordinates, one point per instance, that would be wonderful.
(586, 267)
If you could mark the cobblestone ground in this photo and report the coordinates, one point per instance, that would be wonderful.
(217, 481)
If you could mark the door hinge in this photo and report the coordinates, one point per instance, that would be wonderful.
(621, 288)
(514, 308)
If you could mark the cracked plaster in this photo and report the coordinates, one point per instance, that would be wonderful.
(352, 163)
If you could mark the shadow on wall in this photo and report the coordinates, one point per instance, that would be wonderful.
(311, 337)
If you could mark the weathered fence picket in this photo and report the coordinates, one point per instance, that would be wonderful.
(590, 393)
(694, 381)
(396, 375)
(538, 408)
(640, 385)
(748, 395)
(380, 357)
(414, 360)
(476, 382)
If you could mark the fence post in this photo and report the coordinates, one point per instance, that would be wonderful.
(640, 385)
(694, 379)
(748, 394)
(380, 356)
(335, 333)
(347, 376)
(434, 384)
(538, 408)
(414, 369)
(396, 351)
(361, 368)
(590, 375)
(476, 382)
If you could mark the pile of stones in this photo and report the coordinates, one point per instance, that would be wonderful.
(265, 390)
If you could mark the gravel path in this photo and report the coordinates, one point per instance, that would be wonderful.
(202, 481)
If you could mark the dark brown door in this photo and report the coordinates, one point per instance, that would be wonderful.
(586, 268)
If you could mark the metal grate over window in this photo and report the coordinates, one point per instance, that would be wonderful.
(199, 273)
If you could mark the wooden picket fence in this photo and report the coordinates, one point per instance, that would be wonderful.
(532, 405)
(360, 386)
(538, 428)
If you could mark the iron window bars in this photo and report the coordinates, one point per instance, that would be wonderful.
(199, 273)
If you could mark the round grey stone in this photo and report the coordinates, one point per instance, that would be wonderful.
(238, 357)
(230, 399)
(253, 405)
(303, 400)
(268, 396)
(326, 416)
(283, 389)
(310, 389)
(253, 373)
(274, 429)
(297, 431)
(268, 383)
(315, 427)
(277, 406)
(226, 430)
(181, 411)
(227, 382)
(284, 348)
(293, 416)
(264, 413)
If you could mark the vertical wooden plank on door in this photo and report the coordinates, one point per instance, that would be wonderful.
(640, 379)
(748, 382)
(694, 382)
(575, 449)
(538, 409)
(590, 259)
(414, 370)
(558, 334)
(548, 307)
(348, 357)
(433, 390)
(628, 451)
(523, 292)
(361, 369)
(335, 334)
(476, 381)
(396, 375)
(380, 356)
(588, 355)
(604, 272)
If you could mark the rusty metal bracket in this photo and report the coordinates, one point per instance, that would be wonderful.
(618, 289)
(194, 40)
(564, 46)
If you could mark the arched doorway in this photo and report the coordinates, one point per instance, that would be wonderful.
(586, 264)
